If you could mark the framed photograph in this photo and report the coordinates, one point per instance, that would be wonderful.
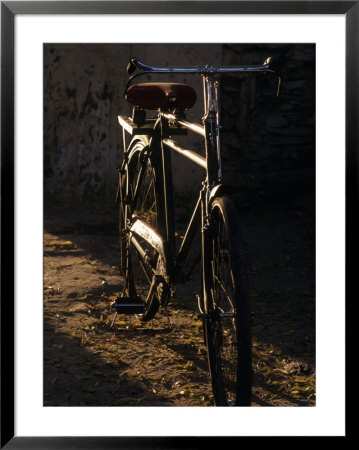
(93, 355)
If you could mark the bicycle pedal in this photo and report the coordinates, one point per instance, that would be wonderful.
(129, 305)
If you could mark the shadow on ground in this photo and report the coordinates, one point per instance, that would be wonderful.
(86, 362)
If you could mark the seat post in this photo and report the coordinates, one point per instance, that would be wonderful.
(138, 116)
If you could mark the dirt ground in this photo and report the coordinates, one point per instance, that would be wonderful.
(88, 362)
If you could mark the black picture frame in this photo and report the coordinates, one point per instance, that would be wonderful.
(9, 9)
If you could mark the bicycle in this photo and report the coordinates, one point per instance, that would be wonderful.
(151, 262)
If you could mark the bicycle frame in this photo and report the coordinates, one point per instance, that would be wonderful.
(211, 163)
(161, 130)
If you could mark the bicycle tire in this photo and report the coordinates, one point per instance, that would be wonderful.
(121, 220)
(146, 207)
(228, 338)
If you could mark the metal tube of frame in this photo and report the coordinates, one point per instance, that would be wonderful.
(193, 156)
(205, 97)
(196, 128)
(210, 127)
(218, 129)
(190, 233)
(167, 187)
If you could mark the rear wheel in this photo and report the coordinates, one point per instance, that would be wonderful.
(227, 326)
(121, 193)
(142, 201)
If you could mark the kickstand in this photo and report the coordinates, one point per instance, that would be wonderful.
(113, 321)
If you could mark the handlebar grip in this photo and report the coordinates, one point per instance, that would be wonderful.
(131, 66)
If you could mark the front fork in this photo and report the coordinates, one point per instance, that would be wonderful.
(210, 314)
(206, 279)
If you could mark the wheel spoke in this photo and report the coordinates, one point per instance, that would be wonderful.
(220, 284)
(226, 330)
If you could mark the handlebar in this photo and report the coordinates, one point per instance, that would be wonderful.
(135, 63)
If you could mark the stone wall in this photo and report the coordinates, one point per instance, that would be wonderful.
(270, 139)
(267, 141)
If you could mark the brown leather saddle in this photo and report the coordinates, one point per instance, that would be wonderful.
(164, 96)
